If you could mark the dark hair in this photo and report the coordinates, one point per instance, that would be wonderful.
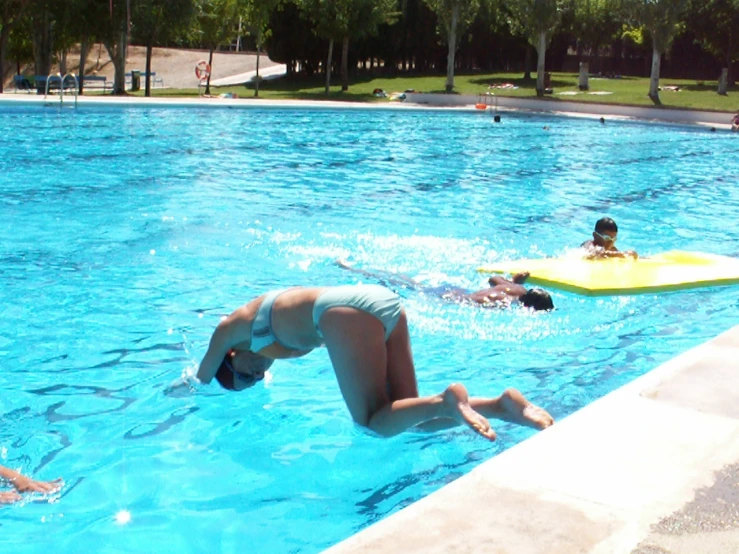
(225, 374)
(605, 224)
(538, 299)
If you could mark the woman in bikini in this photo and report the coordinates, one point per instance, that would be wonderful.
(365, 331)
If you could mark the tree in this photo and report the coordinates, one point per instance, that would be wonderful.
(715, 24)
(11, 12)
(596, 22)
(159, 20)
(536, 20)
(257, 14)
(455, 16)
(342, 20)
(216, 20)
(661, 19)
(20, 44)
(112, 24)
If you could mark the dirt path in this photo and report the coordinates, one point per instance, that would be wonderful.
(175, 66)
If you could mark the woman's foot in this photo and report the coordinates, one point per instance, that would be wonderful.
(515, 408)
(456, 401)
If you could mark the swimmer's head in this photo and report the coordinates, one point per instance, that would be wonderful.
(242, 370)
(606, 224)
(538, 299)
(606, 233)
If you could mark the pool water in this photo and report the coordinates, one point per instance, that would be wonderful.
(125, 234)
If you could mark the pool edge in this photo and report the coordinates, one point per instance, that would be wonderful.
(414, 101)
(599, 481)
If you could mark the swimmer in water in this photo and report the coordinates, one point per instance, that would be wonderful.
(502, 292)
(603, 244)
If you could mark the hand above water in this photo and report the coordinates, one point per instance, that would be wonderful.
(8, 497)
(24, 484)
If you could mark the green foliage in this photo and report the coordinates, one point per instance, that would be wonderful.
(161, 20)
(633, 35)
(216, 22)
(256, 14)
(661, 18)
(530, 18)
(714, 24)
(597, 22)
(339, 19)
(20, 44)
(466, 12)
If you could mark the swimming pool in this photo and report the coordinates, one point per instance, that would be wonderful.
(126, 233)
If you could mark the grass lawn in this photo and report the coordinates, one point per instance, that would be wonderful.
(625, 91)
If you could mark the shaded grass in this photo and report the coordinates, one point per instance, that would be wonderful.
(624, 91)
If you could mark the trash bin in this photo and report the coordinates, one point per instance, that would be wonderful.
(135, 80)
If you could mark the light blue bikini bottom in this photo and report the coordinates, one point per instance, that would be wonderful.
(372, 299)
(375, 300)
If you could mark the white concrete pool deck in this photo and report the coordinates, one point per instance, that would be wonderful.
(651, 468)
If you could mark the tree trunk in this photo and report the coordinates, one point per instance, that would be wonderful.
(452, 49)
(654, 79)
(210, 64)
(328, 65)
(84, 50)
(345, 64)
(541, 63)
(149, 49)
(117, 53)
(42, 44)
(256, 76)
(4, 36)
(63, 62)
(527, 62)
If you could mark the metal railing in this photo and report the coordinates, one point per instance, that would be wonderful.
(62, 80)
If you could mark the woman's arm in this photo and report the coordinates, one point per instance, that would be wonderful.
(226, 336)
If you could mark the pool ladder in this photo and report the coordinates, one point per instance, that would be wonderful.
(489, 100)
(62, 80)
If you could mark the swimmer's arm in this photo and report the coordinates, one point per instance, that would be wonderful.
(618, 254)
(383, 277)
(496, 280)
(220, 343)
(25, 484)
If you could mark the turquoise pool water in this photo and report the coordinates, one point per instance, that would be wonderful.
(126, 233)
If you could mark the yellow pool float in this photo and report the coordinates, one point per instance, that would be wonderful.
(669, 271)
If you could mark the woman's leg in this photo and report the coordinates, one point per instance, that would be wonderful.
(362, 361)
(401, 372)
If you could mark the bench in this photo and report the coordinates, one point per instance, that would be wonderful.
(55, 82)
(38, 82)
(153, 79)
(21, 82)
(96, 79)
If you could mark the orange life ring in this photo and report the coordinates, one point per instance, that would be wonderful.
(202, 70)
(481, 106)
